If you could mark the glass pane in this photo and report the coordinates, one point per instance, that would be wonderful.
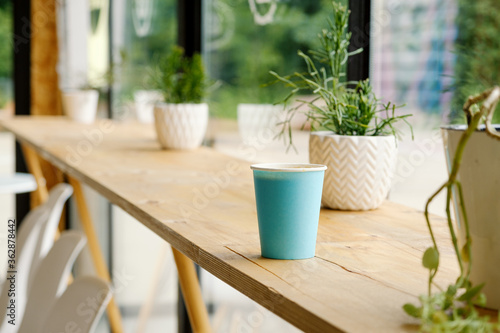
(143, 30)
(412, 63)
(244, 40)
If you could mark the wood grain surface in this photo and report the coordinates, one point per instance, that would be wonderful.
(367, 264)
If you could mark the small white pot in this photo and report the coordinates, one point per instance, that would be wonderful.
(181, 126)
(80, 105)
(258, 121)
(360, 168)
(145, 101)
(479, 175)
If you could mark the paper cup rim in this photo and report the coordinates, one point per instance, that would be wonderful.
(288, 167)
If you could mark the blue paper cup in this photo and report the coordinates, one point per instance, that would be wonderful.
(288, 200)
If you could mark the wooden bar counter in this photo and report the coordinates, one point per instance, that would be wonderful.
(367, 264)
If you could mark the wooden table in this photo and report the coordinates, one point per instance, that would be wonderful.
(367, 264)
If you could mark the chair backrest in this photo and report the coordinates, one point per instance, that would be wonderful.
(58, 195)
(27, 238)
(34, 239)
(51, 279)
(80, 306)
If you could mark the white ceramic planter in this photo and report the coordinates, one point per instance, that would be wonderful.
(145, 101)
(80, 105)
(257, 122)
(360, 168)
(181, 126)
(480, 178)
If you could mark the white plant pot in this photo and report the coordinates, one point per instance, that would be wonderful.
(181, 126)
(257, 122)
(80, 105)
(360, 168)
(145, 101)
(479, 175)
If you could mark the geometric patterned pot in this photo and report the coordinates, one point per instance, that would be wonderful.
(360, 168)
(181, 126)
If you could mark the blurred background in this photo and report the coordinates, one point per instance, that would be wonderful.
(427, 54)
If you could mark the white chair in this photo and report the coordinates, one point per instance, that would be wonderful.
(26, 244)
(17, 183)
(51, 279)
(80, 307)
(34, 239)
(58, 195)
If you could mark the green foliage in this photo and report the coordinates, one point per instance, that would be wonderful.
(446, 311)
(6, 38)
(350, 108)
(181, 79)
(477, 48)
(431, 258)
(3, 99)
(242, 63)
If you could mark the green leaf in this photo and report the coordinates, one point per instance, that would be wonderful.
(471, 293)
(481, 299)
(412, 310)
(452, 290)
(431, 258)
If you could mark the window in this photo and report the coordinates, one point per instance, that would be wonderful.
(243, 40)
(143, 31)
(412, 64)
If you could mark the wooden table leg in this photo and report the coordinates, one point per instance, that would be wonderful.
(95, 251)
(191, 291)
(33, 164)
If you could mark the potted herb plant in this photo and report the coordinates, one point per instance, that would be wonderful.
(473, 185)
(353, 132)
(181, 120)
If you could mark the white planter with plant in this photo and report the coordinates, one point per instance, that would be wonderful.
(181, 126)
(180, 122)
(144, 101)
(80, 105)
(361, 168)
(479, 175)
(356, 143)
(473, 187)
(258, 121)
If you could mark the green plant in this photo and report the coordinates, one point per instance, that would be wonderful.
(181, 79)
(349, 108)
(6, 51)
(452, 310)
(477, 58)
